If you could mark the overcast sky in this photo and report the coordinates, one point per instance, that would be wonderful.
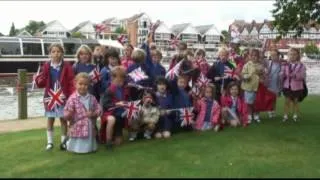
(71, 13)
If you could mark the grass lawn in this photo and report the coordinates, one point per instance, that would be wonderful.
(269, 149)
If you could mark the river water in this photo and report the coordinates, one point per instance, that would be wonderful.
(9, 103)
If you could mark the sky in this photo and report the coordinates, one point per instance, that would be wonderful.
(71, 13)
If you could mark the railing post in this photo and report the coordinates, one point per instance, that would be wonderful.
(22, 94)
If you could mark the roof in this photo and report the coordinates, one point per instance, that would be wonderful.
(135, 17)
(178, 28)
(24, 33)
(79, 26)
(108, 21)
(203, 28)
(50, 24)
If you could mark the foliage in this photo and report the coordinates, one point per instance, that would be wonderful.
(311, 48)
(120, 30)
(78, 35)
(293, 15)
(13, 30)
(225, 36)
(269, 149)
(1, 34)
(34, 26)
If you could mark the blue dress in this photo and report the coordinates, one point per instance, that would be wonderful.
(57, 111)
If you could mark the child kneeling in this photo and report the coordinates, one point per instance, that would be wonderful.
(82, 110)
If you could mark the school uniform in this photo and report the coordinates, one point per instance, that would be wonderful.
(208, 114)
(165, 121)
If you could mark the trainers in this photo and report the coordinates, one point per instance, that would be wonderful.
(109, 145)
(63, 146)
(285, 118)
(257, 118)
(249, 119)
(295, 118)
(132, 136)
(271, 114)
(49, 146)
(147, 135)
(216, 128)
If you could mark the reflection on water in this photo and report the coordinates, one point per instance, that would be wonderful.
(9, 103)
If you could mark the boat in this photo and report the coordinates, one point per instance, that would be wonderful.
(28, 52)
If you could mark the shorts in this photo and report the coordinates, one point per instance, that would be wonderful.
(249, 97)
(292, 95)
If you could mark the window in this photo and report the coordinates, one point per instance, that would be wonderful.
(31, 48)
(71, 48)
(10, 48)
(144, 24)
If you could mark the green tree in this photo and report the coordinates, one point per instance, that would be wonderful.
(120, 30)
(294, 14)
(1, 34)
(311, 49)
(34, 26)
(225, 36)
(13, 30)
(78, 35)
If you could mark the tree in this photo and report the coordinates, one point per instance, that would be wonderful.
(311, 49)
(294, 15)
(120, 30)
(13, 30)
(34, 26)
(225, 36)
(1, 34)
(78, 35)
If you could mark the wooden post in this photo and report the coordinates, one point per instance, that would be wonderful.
(22, 94)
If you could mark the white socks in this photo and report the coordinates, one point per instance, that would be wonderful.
(50, 136)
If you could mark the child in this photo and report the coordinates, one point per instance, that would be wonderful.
(234, 109)
(142, 59)
(221, 72)
(164, 98)
(82, 110)
(148, 116)
(113, 120)
(83, 64)
(250, 74)
(111, 60)
(208, 111)
(181, 99)
(158, 68)
(201, 62)
(182, 47)
(56, 75)
(127, 60)
(273, 77)
(98, 55)
(294, 75)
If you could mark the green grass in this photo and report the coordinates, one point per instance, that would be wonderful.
(270, 149)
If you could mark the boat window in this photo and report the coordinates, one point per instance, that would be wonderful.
(47, 42)
(31, 46)
(71, 45)
(10, 46)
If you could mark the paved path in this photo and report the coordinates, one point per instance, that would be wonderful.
(24, 124)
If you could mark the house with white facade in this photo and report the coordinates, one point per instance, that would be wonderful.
(53, 29)
(86, 28)
(209, 36)
(187, 33)
(162, 36)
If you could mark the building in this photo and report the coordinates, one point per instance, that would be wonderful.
(187, 33)
(162, 36)
(137, 28)
(53, 29)
(258, 33)
(86, 28)
(210, 36)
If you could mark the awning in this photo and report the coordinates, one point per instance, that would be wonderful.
(110, 43)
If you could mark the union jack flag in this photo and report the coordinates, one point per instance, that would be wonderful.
(138, 75)
(229, 72)
(122, 39)
(202, 81)
(132, 109)
(195, 91)
(95, 75)
(174, 42)
(56, 97)
(100, 27)
(186, 115)
(172, 73)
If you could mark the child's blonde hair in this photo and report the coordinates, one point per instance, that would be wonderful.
(138, 55)
(85, 48)
(82, 75)
(223, 50)
(119, 72)
(57, 45)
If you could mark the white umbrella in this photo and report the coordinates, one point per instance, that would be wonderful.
(110, 43)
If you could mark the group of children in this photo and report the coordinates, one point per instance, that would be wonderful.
(138, 94)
